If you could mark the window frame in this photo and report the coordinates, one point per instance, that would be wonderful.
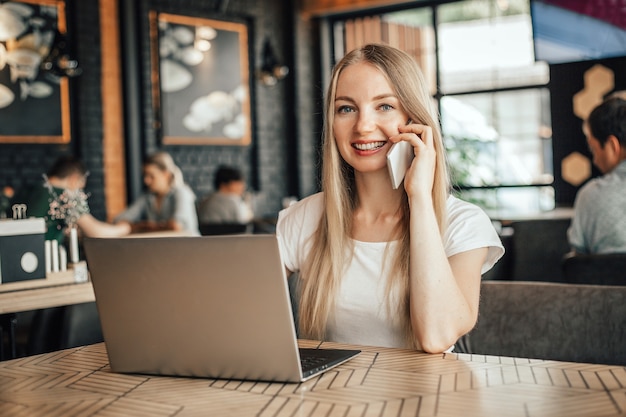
(331, 22)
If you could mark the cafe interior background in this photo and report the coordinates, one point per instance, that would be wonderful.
(513, 80)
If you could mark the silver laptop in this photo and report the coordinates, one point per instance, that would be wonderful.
(211, 306)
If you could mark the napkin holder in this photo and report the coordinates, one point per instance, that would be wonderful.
(22, 254)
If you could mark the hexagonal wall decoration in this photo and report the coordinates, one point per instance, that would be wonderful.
(599, 80)
(575, 168)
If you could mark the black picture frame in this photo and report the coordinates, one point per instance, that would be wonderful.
(201, 97)
(34, 103)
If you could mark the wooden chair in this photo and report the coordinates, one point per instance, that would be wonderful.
(555, 321)
(597, 269)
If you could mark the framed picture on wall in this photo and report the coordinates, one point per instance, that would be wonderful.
(200, 80)
(34, 99)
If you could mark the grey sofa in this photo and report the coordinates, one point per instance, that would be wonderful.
(557, 321)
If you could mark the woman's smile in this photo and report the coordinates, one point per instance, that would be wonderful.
(368, 146)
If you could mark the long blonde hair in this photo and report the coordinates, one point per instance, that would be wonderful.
(332, 243)
(164, 162)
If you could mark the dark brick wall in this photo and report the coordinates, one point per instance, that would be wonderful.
(310, 92)
(272, 163)
(266, 162)
(84, 21)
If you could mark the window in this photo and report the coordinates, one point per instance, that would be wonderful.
(495, 107)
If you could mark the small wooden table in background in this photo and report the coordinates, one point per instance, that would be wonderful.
(59, 289)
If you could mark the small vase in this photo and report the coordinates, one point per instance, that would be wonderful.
(74, 256)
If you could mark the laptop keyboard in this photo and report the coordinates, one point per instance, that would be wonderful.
(316, 360)
(313, 361)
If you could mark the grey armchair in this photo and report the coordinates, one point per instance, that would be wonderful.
(556, 321)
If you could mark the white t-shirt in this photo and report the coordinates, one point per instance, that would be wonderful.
(361, 315)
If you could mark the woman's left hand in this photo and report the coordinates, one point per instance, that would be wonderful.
(419, 177)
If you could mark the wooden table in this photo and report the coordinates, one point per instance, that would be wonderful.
(379, 382)
(506, 217)
(55, 291)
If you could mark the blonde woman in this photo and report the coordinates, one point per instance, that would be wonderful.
(382, 266)
(168, 203)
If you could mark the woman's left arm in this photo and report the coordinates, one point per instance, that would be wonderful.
(444, 292)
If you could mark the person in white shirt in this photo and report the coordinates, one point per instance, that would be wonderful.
(382, 266)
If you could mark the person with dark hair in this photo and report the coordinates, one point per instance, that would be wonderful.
(227, 203)
(599, 224)
(61, 201)
(167, 204)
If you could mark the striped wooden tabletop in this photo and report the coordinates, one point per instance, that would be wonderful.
(379, 382)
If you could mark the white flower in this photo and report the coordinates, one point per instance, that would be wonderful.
(68, 206)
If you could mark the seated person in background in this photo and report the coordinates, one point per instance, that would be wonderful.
(227, 203)
(168, 203)
(599, 223)
(63, 184)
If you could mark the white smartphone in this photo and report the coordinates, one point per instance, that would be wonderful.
(399, 159)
